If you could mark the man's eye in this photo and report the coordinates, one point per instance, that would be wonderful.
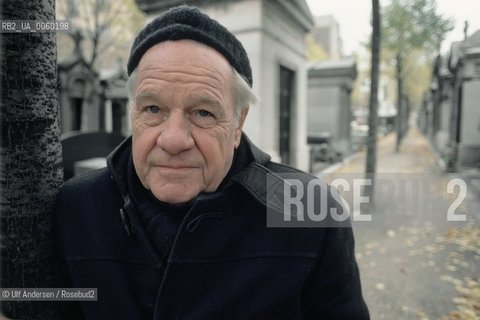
(204, 113)
(153, 109)
(203, 118)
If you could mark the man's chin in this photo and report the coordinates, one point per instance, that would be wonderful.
(174, 194)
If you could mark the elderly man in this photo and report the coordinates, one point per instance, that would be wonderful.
(175, 227)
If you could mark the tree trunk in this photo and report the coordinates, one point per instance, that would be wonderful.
(399, 122)
(31, 166)
(373, 103)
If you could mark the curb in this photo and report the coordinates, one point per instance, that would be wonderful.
(335, 166)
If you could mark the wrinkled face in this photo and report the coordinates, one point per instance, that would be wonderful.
(183, 127)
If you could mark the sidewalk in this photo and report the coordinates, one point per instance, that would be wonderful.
(415, 262)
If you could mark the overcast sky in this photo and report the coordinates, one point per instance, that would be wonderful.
(354, 18)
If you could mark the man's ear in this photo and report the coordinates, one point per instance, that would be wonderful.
(238, 129)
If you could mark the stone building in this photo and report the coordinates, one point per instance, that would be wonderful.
(75, 83)
(329, 104)
(94, 115)
(451, 115)
(272, 32)
(92, 101)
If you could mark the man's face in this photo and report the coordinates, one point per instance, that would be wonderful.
(183, 127)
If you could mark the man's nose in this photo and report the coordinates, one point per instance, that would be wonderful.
(176, 134)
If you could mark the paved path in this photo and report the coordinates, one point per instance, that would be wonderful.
(414, 262)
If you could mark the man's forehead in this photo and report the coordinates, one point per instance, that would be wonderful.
(184, 49)
(199, 96)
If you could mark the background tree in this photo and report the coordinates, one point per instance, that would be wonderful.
(31, 167)
(106, 27)
(411, 27)
(373, 102)
(315, 52)
(418, 72)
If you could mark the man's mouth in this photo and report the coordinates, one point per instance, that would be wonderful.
(175, 167)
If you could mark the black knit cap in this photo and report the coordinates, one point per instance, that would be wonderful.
(186, 22)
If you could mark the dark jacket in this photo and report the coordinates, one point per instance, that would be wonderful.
(224, 262)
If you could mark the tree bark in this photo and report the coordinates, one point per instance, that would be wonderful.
(371, 161)
(399, 120)
(31, 166)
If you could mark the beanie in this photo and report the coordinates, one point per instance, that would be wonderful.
(186, 22)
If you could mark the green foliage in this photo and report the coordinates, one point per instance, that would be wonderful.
(418, 73)
(412, 33)
(413, 24)
(315, 52)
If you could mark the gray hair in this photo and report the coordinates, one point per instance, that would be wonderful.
(244, 96)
